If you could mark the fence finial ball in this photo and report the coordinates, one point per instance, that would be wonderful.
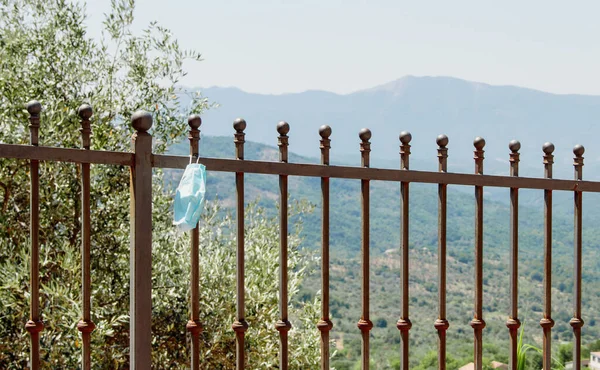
(194, 121)
(405, 137)
(365, 134)
(141, 121)
(548, 148)
(479, 143)
(239, 124)
(578, 150)
(34, 107)
(442, 141)
(85, 111)
(325, 131)
(283, 128)
(514, 146)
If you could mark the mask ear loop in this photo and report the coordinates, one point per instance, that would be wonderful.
(197, 159)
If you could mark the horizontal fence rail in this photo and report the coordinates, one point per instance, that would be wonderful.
(141, 162)
(377, 174)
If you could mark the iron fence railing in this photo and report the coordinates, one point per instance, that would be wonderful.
(141, 162)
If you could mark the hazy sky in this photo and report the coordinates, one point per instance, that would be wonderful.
(342, 46)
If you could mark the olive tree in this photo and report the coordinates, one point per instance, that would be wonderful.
(45, 54)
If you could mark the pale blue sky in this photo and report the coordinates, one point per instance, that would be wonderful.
(341, 46)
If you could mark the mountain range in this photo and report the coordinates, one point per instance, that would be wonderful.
(426, 107)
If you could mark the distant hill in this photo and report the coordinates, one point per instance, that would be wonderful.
(425, 102)
(385, 239)
(425, 106)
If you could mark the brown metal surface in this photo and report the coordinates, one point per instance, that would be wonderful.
(35, 325)
(441, 324)
(325, 325)
(283, 325)
(85, 325)
(67, 155)
(194, 326)
(141, 244)
(478, 324)
(546, 322)
(379, 174)
(576, 322)
(364, 324)
(240, 326)
(513, 323)
(404, 323)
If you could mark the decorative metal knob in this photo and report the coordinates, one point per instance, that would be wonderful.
(514, 146)
(283, 128)
(548, 148)
(34, 107)
(405, 137)
(578, 150)
(364, 134)
(479, 143)
(141, 121)
(85, 112)
(442, 141)
(194, 121)
(325, 131)
(239, 125)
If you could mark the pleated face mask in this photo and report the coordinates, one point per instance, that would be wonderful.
(189, 198)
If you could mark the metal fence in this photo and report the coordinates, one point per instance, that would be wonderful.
(141, 161)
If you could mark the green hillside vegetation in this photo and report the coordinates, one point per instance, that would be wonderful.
(385, 262)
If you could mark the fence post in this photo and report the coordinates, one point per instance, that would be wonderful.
(194, 326)
(365, 324)
(404, 324)
(140, 307)
(35, 325)
(85, 325)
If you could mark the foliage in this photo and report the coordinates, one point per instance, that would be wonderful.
(217, 281)
(45, 54)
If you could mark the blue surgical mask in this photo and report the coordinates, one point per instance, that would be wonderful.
(189, 198)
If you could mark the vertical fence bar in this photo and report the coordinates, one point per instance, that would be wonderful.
(546, 322)
(85, 325)
(404, 323)
(364, 324)
(441, 324)
(194, 326)
(283, 325)
(35, 325)
(240, 325)
(478, 324)
(325, 325)
(576, 322)
(513, 324)
(140, 307)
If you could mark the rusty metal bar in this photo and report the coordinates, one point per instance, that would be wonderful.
(194, 326)
(513, 323)
(85, 325)
(441, 324)
(404, 323)
(50, 154)
(478, 324)
(379, 174)
(141, 244)
(325, 325)
(576, 322)
(35, 325)
(364, 324)
(283, 325)
(546, 322)
(240, 326)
